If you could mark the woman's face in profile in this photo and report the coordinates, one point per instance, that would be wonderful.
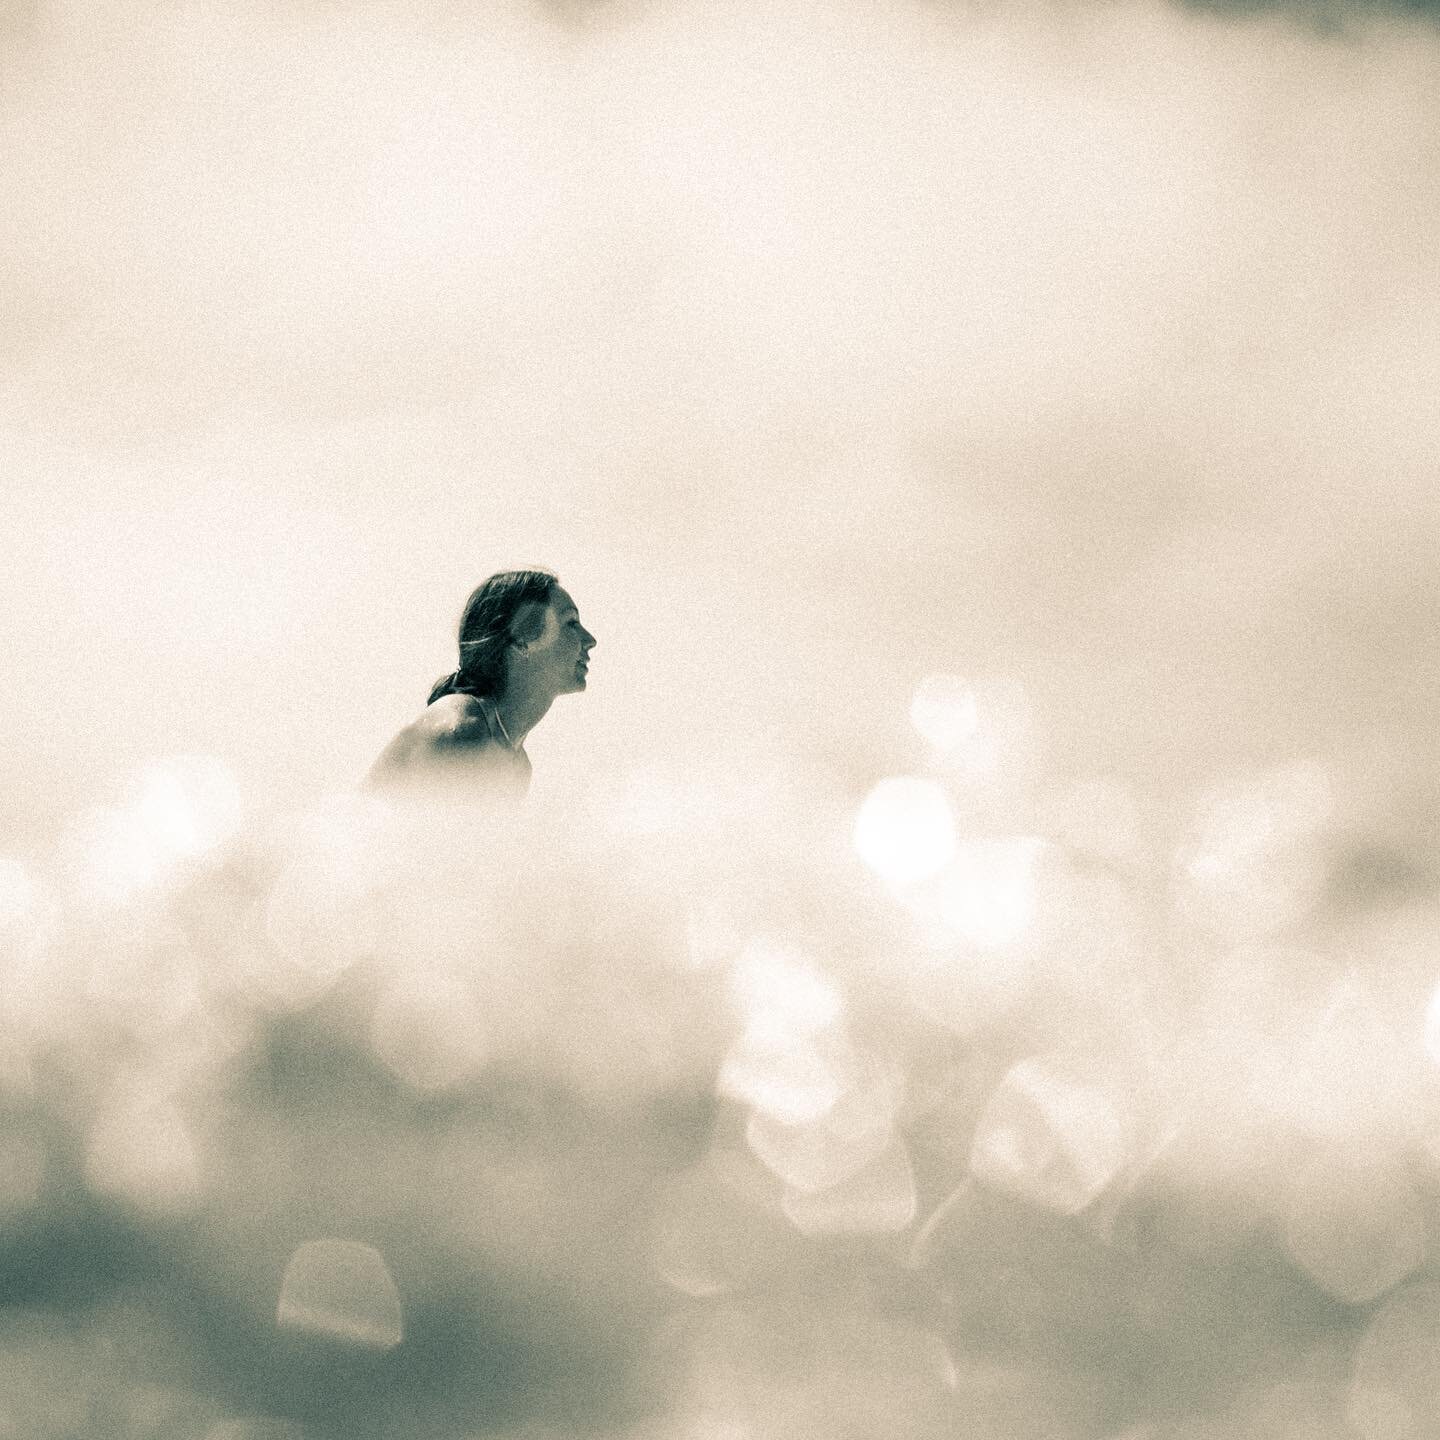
(561, 650)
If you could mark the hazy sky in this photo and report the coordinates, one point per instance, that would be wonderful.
(817, 346)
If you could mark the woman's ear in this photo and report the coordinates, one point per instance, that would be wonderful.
(533, 627)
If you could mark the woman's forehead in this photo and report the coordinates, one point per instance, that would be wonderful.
(562, 604)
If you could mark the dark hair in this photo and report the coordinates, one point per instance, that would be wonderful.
(485, 632)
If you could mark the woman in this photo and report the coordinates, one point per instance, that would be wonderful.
(521, 645)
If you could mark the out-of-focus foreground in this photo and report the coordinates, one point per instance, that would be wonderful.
(978, 1107)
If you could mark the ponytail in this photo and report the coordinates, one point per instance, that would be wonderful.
(445, 685)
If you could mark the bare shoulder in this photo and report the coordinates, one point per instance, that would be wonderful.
(454, 726)
(453, 721)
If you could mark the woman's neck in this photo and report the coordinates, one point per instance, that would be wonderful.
(520, 712)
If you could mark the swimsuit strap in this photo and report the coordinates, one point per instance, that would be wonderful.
(492, 719)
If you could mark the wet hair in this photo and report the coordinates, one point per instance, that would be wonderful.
(486, 630)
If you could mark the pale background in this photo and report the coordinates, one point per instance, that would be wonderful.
(817, 346)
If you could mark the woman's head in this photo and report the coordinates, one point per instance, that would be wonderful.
(508, 608)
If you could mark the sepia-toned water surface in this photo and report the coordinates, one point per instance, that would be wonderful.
(966, 965)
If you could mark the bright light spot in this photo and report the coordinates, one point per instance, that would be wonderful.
(788, 1061)
(905, 830)
(1355, 1225)
(177, 808)
(140, 1150)
(987, 893)
(987, 727)
(1049, 1139)
(1395, 1393)
(794, 1084)
(854, 1132)
(186, 804)
(781, 994)
(112, 854)
(1254, 864)
(341, 1289)
(878, 1200)
(428, 1029)
(1347, 1074)
(1325, 1064)
(943, 710)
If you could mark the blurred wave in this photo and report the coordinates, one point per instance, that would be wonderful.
(419, 1117)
